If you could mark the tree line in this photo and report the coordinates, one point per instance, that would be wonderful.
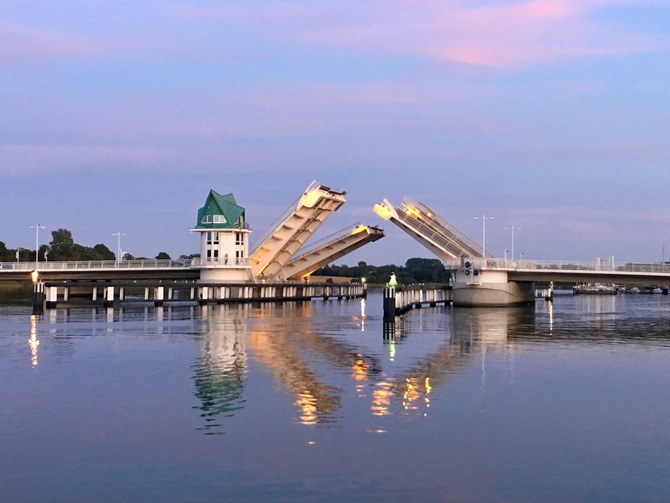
(415, 270)
(63, 248)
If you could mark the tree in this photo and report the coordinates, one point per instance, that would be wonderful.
(5, 254)
(163, 256)
(104, 252)
(62, 245)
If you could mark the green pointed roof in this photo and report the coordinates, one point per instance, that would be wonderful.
(220, 212)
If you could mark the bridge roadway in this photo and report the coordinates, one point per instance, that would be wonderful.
(101, 270)
(628, 273)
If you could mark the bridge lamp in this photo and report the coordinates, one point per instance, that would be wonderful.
(484, 218)
(118, 245)
(37, 228)
(512, 228)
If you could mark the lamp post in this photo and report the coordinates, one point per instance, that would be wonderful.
(37, 228)
(118, 245)
(513, 228)
(483, 218)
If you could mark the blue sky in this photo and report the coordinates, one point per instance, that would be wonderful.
(550, 115)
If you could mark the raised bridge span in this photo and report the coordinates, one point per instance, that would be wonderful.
(479, 279)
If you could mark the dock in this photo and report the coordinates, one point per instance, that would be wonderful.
(50, 295)
(400, 299)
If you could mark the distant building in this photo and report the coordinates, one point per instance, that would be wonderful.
(224, 240)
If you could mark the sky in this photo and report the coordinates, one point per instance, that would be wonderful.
(551, 116)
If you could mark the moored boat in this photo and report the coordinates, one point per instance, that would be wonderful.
(594, 289)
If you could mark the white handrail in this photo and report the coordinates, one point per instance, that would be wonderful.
(95, 264)
(562, 265)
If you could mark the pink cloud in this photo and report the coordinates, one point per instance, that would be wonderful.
(498, 34)
(503, 35)
(19, 41)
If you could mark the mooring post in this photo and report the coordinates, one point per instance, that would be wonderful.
(38, 297)
(389, 304)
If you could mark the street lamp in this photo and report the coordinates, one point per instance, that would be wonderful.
(513, 228)
(483, 218)
(37, 228)
(118, 245)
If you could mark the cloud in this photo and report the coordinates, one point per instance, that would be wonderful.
(511, 34)
(22, 160)
(21, 41)
(492, 34)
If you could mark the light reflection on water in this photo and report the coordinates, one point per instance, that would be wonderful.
(552, 402)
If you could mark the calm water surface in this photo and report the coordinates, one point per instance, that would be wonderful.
(320, 401)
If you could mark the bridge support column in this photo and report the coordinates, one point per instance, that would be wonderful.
(479, 287)
(159, 295)
(51, 296)
(109, 296)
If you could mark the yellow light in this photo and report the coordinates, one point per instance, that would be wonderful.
(382, 211)
(34, 276)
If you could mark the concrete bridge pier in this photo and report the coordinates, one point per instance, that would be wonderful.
(109, 297)
(476, 286)
(51, 294)
(159, 296)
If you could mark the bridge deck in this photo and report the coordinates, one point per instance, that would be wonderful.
(625, 273)
(100, 270)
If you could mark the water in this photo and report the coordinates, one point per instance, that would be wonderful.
(320, 402)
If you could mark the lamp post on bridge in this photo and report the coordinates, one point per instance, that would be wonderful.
(483, 218)
(37, 228)
(513, 228)
(118, 245)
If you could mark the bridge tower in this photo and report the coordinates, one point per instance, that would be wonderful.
(224, 240)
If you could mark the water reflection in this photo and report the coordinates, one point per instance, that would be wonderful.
(598, 319)
(33, 342)
(297, 344)
(220, 371)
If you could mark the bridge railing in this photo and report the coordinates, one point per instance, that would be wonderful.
(565, 265)
(96, 264)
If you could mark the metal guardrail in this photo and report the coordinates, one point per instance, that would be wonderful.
(563, 265)
(232, 262)
(96, 265)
